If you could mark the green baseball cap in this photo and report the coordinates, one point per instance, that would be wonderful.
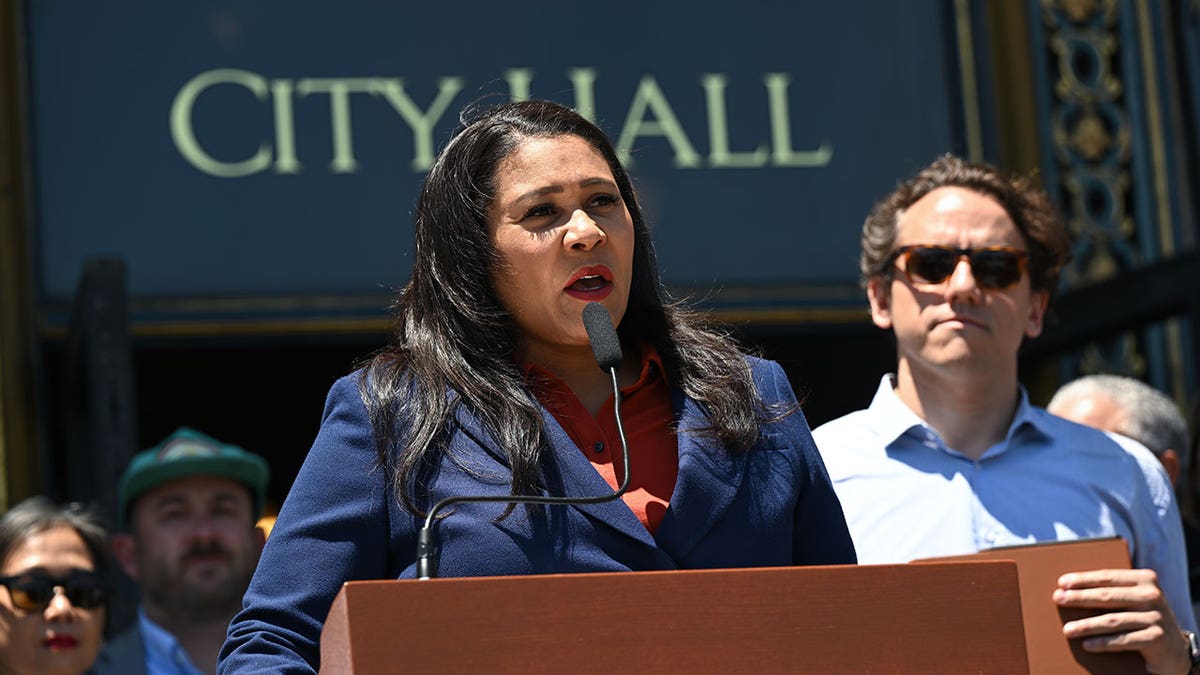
(184, 453)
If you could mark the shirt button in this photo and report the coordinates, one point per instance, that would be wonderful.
(599, 446)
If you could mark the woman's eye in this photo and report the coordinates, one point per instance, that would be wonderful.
(540, 211)
(604, 200)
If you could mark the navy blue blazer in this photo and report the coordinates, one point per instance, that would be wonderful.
(769, 506)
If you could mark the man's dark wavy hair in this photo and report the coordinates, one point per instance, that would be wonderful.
(454, 342)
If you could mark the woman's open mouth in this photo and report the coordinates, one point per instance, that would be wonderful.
(590, 284)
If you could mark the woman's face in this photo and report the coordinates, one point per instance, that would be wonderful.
(564, 238)
(61, 638)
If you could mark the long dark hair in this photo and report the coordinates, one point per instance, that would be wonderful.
(454, 342)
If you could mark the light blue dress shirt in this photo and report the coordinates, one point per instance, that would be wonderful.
(164, 654)
(906, 495)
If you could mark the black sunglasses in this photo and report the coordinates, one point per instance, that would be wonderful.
(994, 267)
(33, 591)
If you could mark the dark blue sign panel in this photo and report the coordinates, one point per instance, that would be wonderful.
(256, 149)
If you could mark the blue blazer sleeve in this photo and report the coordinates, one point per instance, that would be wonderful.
(336, 525)
(820, 535)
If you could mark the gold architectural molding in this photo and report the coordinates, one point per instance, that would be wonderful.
(19, 475)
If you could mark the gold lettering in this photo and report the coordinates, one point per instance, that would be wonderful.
(519, 81)
(285, 131)
(649, 114)
(339, 91)
(422, 123)
(719, 155)
(583, 81)
(184, 134)
(649, 96)
(781, 132)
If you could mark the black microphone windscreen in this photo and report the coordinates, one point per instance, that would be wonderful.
(605, 344)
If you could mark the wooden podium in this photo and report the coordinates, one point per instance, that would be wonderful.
(939, 617)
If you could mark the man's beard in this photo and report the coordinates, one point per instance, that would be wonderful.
(168, 586)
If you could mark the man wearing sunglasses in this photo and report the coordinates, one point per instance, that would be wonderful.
(959, 264)
(189, 507)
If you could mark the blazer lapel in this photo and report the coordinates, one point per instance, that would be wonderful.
(580, 479)
(706, 485)
(568, 474)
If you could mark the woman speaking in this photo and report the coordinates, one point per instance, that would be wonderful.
(490, 387)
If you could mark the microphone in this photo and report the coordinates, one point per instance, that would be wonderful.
(606, 347)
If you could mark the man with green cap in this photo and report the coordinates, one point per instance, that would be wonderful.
(188, 511)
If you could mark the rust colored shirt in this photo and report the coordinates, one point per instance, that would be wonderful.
(648, 417)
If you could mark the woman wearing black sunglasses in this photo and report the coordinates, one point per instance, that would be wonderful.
(53, 566)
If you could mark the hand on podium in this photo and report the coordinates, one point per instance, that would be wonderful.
(1139, 618)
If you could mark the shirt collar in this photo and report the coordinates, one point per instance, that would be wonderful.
(891, 418)
(652, 366)
(162, 648)
(1029, 415)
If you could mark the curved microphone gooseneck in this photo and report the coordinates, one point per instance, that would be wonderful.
(606, 347)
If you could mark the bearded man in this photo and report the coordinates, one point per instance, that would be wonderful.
(188, 513)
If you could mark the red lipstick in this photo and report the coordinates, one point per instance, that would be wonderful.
(590, 284)
(59, 643)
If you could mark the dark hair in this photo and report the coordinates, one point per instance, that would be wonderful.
(39, 514)
(1029, 208)
(454, 342)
